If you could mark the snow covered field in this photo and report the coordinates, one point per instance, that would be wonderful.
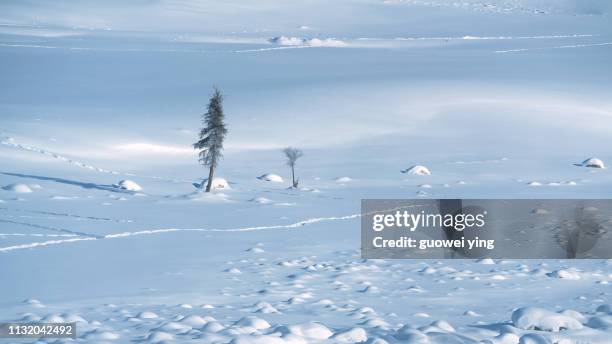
(494, 98)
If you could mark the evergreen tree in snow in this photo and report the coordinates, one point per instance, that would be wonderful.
(212, 134)
(292, 155)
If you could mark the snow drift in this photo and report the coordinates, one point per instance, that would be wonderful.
(592, 162)
(271, 177)
(417, 170)
(128, 185)
(217, 184)
(17, 188)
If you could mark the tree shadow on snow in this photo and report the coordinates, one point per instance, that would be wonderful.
(84, 185)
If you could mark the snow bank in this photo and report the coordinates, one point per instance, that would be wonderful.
(312, 42)
(17, 188)
(533, 318)
(128, 185)
(593, 162)
(417, 170)
(271, 177)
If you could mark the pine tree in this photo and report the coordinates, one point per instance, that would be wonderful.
(212, 134)
(292, 155)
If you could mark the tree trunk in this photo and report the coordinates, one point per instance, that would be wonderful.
(292, 176)
(211, 174)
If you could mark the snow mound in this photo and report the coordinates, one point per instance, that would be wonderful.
(147, 315)
(194, 321)
(233, 271)
(243, 339)
(533, 338)
(564, 274)
(217, 184)
(326, 42)
(354, 335)
(486, 261)
(438, 324)
(98, 335)
(53, 318)
(71, 317)
(284, 40)
(34, 303)
(253, 322)
(600, 322)
(470, 313)
(533, 318)
(213, 326)
(128, 185)
(159, 336)
(574, 314)
(17, 188)
(271, 177)
(174, 327)
(409, 334)
(592, 162)
(604, 309)
(343, 180)
(312, 330)
(311, 42)
(417, 170)
(539, 211)
(265, 308)
(261, 200)
(255, 250)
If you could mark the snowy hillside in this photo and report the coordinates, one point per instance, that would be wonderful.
(100, 222)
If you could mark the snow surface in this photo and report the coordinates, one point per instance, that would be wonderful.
(497, 98)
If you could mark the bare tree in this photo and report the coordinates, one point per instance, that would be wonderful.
(292, 155)
(212, 134)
